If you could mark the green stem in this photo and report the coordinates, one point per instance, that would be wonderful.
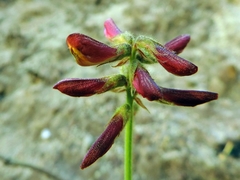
(128, 140)
(129, 125)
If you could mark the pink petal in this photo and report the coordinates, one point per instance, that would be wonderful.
(110, 29)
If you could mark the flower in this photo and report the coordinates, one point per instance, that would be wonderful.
(88, 51)
(173, 63)
(87, 87)
(145, 86)
(106, 139)
(150, 52)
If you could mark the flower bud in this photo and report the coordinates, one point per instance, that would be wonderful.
(88, 51)
(115, 35)
(110, 29)
(106, 139)
(145, 86)
(178, 44)
(87, 87)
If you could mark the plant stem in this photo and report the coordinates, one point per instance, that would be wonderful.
(128, 140)
(129, 125)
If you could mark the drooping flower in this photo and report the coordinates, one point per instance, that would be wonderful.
(173, 63)
(145, 86)
(87, 87)
(151, 52)
(88, 51)
(106, 139)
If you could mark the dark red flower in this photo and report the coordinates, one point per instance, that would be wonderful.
(87, 87)
(88, 51)
(173, 63)
(106, 139)
(151, 52)
(145, 86)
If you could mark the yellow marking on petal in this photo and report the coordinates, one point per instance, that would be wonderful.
(80, 58)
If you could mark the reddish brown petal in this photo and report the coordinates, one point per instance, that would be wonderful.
(178, 44)
(104, 142)
(88, 51)
(186, 97)
(145, 85)
(80, 87)
(173, 63)
(106, 139)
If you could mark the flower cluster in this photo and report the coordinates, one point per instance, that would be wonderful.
(132, 53)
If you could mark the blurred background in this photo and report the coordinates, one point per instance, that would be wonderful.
(42, 127)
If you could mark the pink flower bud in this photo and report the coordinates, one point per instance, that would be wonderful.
(88, 51)
(110, 29)
(106, 139)
(178, 44)
(145, 86)
(87, 87)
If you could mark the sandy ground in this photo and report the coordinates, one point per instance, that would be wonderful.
(42, 127)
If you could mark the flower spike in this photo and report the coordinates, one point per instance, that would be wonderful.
(132, 52)
(106, 139)
(145, 85)
(87, 87)
(178, 44)
(88, 51)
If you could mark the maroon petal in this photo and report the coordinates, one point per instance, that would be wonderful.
(106, 139)
(80, 87)
(186, 97)
(145, 85)
(178, 44)
(173, 63)
(88, 51)
(87, 87)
